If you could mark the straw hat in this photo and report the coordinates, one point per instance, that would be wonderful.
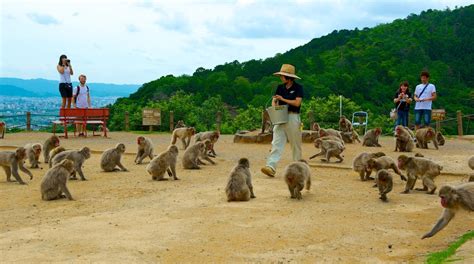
(287, 70)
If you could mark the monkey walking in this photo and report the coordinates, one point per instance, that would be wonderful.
(360, 164)
(12, 161)
(183, 133)
(297, 176)
(76, 156)
(384, 182)
(239, 186)
(419, 167)
(453, 198)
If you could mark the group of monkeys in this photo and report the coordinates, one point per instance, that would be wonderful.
(64, 164)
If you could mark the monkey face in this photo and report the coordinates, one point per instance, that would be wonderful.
(446, 194)
(86, 152)
(317, 143)
(20, 153)
(56, 142)
(378, 131)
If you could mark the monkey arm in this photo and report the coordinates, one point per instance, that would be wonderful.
(79, 170)
(248, 181)
(14, 171)
(322, 152)
(447, 215)
(65, 190)
(25, 170)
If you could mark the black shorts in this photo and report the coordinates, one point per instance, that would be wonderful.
(65, 89)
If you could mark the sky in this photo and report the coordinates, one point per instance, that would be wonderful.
(134, 42)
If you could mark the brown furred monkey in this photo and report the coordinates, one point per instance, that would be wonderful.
(425, 168)
(371, 138)
(191, 156)
(329, 148)
(164, 162)
(344, 124)
(440, 138)
(404, 140)
(453, 198)
(49, 144)
(53, 185)
(33, 152)
(297, 176)
(239, 185)
(384, 182)
(424, 136)
(384, 162)
(183, 133)
(212, 136)
(111, 159)
(77, 156)
(359, 164)
(145, 149)
(12, 161)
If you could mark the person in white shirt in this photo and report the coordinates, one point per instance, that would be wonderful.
(65, 86)
(82, 99)
(425, 94)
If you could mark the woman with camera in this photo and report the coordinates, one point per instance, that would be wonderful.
(402, 101)
(65, 85)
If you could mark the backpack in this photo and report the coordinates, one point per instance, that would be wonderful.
(78, 90)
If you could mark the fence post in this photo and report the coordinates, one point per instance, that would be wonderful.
(459, 117)
(311, 119)
(127, 121)
(28, 121)
(219, 121)
(171, 121)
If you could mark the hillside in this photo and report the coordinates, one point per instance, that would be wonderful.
(364, 65)
(47, 88)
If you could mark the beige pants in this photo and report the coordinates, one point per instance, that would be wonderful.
(281, 134)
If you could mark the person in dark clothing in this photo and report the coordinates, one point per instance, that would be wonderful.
(402, 100)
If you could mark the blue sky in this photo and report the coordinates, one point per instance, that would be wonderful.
(117, 41)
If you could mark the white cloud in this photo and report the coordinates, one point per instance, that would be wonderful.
(120, 41)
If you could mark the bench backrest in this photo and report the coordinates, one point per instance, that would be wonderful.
(87, 113)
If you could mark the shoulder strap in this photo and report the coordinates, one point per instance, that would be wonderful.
(422, 91)
(78, 89)
(87, 88)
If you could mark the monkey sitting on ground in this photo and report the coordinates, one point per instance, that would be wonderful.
(384, 182)
(164, 162)
(12, 161)
(424, 136)
(191, 156)
(239, 186)
(453, 199)
(76, 156)
(371, 138)
(183, 133)
(350, 137)
(329, 148)
(205, 154)
(404, 140)
(33, 152)
(384, 162)
(296, 175)
(471, 165)
(344, 124)
(49, 144)
(359, 164)
(212, 136)
(111, 158)
(53, 185)
(180, 124)
(55, 151)
(440, 138)
(422, 167)
(145, 149)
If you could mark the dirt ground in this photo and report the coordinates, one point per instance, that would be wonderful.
(127, 217)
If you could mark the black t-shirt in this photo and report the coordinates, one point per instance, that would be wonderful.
(296, 90)
(403, 105)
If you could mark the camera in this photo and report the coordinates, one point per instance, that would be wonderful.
(68, 60)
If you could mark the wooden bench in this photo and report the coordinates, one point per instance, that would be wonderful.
(77, 116)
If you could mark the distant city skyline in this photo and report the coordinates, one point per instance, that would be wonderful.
(134, 42)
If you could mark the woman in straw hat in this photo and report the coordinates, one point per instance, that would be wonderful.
(288, 93)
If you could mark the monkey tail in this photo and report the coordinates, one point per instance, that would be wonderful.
(173, 140)
(308, 183)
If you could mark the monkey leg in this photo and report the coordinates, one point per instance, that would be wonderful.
(173, 171)
(8, 172)
(139, 154)
(119, 164)
(25, 170)
(292, 193)
(340, 158)
(435, 143)
(362, 175)
(429, 184)
(200, 162)
(410, 183)
(81, 174)
(383, 197)
(297, 191)
(397, 171)
(367, 175)
(63, 189)
(183, 141)
(15, 172)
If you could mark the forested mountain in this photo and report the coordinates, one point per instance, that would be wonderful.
(364, 65)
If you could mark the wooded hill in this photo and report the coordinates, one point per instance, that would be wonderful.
(364, 65)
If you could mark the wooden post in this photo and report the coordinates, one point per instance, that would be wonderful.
(150, 128)
(28, 121)
(219, 121)
(438, 126)
(171, 121)
(127, 121)
(311, 119)
(459, 117)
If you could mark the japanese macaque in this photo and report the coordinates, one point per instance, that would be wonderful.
(404, 140)
(145, 149)
(76, 156)
(424, 136)
(440, 138)
(371, 138)
(212, 136)
(164, 162)
(239, 186)
(419, 167)
(53, 185)
(11, 161)
(453, 199)
(385, 162)
(359, 164)
(111, 158)
(191, 156)
(344, 124)
(297, 176)
(33, 152)
(183, 133)
(329, 148)
(49, 144)
(384, 182)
